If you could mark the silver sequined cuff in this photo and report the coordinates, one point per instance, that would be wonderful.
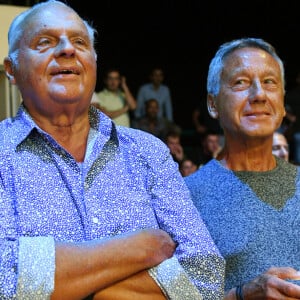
(36, 268)
(173, 280)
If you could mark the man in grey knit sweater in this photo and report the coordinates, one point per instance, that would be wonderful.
(248, 198)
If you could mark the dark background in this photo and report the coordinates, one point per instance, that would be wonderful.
(182, 36)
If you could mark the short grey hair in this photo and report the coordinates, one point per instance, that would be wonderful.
(217, 63)
(16, 29)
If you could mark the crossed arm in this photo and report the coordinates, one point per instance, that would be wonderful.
(116, 266)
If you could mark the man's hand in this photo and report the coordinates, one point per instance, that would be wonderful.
(156, 243)
(273, 285)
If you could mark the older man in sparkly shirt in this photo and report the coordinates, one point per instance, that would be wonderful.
(89, 209)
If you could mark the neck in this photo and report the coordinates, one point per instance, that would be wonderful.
(248, 156)
(71, 134)
(258, 164)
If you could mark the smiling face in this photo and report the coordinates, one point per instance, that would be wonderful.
(56, 64)
(251, 98)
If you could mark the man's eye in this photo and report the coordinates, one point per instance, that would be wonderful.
(43, 42)
(269, 81)
(79, 41)
(240, 82)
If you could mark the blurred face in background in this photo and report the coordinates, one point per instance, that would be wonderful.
(187, 167)
(280, 146)
(152, 109)
(157, 77)
(211, 144)
(113, 81)
(174, 143)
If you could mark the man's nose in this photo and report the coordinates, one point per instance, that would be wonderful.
(257, 92)
(65, 47)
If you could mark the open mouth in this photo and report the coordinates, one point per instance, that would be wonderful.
(65, 71)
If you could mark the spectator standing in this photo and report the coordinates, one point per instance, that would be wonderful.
(158, 90)
(116, 99)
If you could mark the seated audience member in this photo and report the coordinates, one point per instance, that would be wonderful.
(210, 147)
(173, 141)
(155, 89)
(202, 125)
(248, 197)
(280, 146)
(152, 123)
(89, 210)
(115, 100)
(203, 122)
(187, 167)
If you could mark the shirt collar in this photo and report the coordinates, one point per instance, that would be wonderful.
(23, 125)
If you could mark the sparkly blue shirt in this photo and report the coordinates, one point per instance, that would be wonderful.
(127, 181)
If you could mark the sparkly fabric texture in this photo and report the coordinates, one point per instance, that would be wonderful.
(252, 233)
(169, 273)
(127, 181)
(36, 256)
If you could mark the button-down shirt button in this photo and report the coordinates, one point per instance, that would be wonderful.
(95, 220)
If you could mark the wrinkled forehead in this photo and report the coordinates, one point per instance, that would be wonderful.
(248, 55)
(251, 60)
(53, 16)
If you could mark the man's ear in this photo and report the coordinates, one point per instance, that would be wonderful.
(284, 112)
(9, 70)
(211, 106)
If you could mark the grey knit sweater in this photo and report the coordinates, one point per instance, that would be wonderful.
(253, 217)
